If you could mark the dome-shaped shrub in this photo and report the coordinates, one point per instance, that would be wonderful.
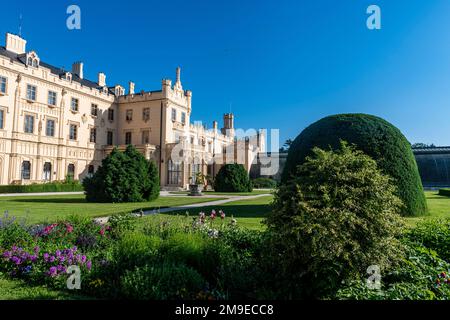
(232, 178)
(375, 137)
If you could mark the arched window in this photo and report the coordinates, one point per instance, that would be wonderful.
(30, 61)
(71, 171)
(47, 174)
(26, 170)
(35, 63)
(173, 173)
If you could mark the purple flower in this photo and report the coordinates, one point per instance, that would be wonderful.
(46, 256)
(52, 271)
(89, 265)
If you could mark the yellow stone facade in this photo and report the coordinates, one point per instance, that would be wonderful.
(55, 123)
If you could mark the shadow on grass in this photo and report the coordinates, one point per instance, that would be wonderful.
(48, 200)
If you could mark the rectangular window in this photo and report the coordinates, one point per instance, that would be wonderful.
(26, 170)
(52, 98)
(2, 119)
(111, 114)
(94, 110)
(129, 115)
(31, 92)
(29, 124)
(183, 117)
(174, 114)
(145, 137)
(146, 114)
(50, 128)
(74, 104)
(73, 132)
(93, 135)
(3, 82)
(109, 138)
(128, 138)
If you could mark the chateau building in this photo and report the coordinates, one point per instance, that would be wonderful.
(56, 124)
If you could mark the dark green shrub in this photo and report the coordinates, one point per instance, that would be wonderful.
(123, 177)
(338, 216)
(232, 178)
(415, 278)
(264, 183)
(162, 282)
(44, 187)
(444, 192)
(374, 136)
(433, 234)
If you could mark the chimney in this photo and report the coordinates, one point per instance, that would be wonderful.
(215, 125)
(178, 75)
(101, 79)
(131, 87)
(77, 68)
(15, 43)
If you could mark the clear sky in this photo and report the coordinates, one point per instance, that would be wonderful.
(275, 64)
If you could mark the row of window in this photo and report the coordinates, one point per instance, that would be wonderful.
(47, 171)
(174, 116)
(50, 129)
(145, 114)
(145, 137)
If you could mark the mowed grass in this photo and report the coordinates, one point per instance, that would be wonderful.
(438, 207)
(38, 209)
(19, 290)
(249, 213)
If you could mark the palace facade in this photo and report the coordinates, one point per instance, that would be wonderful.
(56, 124)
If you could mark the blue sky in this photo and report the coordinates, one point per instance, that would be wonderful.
(275, 64)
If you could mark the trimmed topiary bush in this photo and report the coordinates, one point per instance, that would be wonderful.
(123, 177)
(337, 217)
(374, 136)
(444, 192)
(232, 178)
(264, 183)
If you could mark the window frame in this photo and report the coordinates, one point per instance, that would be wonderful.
(47, 127)
(2, 119)
(75, 132)
(30, 91)
(146, 134)
(77, 104)
(3, 83)
(94, 107)
(22, 170)
(94, 131)
(25, 127)
(109, 135)
(129, 115)
(129, 135)
(50, 92)
(174, 115)
(183, 118)
(146, 114)
(111, 114)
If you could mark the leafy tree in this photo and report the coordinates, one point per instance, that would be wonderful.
(375, 137)
(337, 217)
(123, 177)
(232, 178)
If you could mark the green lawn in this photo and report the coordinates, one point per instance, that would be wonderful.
(19, 290)
(438, 207)
(254, 192)
(48, 208)
(248, 212)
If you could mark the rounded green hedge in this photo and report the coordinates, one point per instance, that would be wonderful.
(232, 178)
(374, 136)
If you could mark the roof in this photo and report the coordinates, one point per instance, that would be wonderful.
(434, 150)
(54, 70)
